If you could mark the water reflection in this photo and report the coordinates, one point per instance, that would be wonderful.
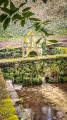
(43, 113)
(49, 113)
(36, 105)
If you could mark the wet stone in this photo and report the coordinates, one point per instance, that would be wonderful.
(59, 115)
(17, 87)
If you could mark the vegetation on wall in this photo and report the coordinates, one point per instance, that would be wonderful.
(31, 72)
(10, 52)
(50, 49)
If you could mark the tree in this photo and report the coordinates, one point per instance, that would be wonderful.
(12, 13)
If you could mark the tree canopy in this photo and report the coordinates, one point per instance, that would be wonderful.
(11, 13)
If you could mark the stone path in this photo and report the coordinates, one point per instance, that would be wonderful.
(12, 92)
(21, 113)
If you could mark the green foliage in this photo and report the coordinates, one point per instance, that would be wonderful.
(42, 63)
(46, 22)
(16, 17)
(7, 53)
(35, 19)
(12, 6)
(6, 23)
(11, 52)
(45, 1)
(57, 51)
(12, 13)
(27, 14)
(53, 41)
(23, 22)
(6, 75)
(27, 81)
(1, 2)
(2, 17)
(22, 4)
(37, 26)
(29, 73)
(26, 9)
(38, 40)
(45, 64)
(37, 80)
(44, 48)
(50, 81)
(6, 3)
(45, 31)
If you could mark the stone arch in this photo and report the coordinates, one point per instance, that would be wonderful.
(32, 54)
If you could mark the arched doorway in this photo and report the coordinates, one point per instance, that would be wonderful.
(32, 54)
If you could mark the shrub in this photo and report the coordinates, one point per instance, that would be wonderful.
(6, 75)
(27, 81)
(37, 80)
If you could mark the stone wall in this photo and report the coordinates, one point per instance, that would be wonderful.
(30, 71)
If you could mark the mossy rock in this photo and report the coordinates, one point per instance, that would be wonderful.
(13, 117)
(3, 92)
(6, 109)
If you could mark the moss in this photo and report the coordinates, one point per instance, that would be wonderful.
(9, 47)
(3, 92)
(13, 117)
(6, 108)
(6, 62)
(7, 111)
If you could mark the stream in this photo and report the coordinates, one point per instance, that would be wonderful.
(37, 106)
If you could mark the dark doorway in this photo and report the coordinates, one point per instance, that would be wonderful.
(32, 54)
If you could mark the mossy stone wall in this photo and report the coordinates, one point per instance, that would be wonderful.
(28, 72)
